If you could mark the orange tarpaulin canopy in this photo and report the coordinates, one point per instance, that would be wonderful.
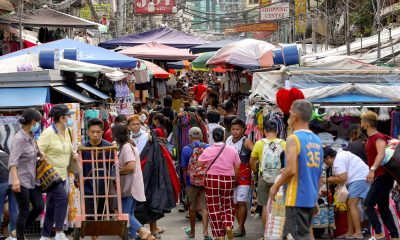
(157, 71)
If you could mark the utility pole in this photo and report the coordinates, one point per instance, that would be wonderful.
(313, 34)
(326, 26)
(119, 18)
(347, 27)
(378, 23)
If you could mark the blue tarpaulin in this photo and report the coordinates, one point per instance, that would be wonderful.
(88, 53)
(163, 35)
(352, 98)
(23, 97)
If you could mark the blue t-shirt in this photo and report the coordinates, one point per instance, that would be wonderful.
(302, 189)
(187, 152)
(87, 168)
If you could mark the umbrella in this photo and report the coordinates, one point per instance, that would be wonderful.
(200, 62)
(6, 5)
(179, 65)
(154, 70)
(248, 54)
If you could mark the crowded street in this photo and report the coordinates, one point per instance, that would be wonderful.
(199, 119)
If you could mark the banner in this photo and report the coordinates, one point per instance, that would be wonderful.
(255, 27)
(301, 16)
(274, 12)
(161, 6)
(102, 8)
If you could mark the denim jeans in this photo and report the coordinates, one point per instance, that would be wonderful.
(379, 195)
(5, 191)
(128, 207)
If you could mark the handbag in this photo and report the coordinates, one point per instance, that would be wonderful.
(46, 174)
(342, 194)
(73, 166)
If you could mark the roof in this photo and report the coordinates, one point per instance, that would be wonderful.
(213, 46)
(46, 17)
(88, 53)
(157, 51)
(163, 35)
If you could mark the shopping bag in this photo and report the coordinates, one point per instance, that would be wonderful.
(275, 217)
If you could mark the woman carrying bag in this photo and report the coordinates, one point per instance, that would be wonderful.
(55, 143)
(22, 165)
(223, 167)
(131, 180)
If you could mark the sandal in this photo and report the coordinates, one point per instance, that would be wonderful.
(156, 235)
(344, 236)
(187, 232)
(161, 230)
(239, 234)
(207, 238)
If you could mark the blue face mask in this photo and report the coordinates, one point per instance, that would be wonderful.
(70, 122)
(35, 128)
(136, 134)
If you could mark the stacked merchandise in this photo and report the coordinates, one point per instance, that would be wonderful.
(276, 217)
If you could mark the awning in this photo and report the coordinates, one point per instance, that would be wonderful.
(93, 90)
(23, 97)
(46, 17)
(74, 94)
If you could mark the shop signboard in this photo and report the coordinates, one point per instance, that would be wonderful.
(161, 6)
(274, 12)
(264, 3)
(255, 27)
(301, 16)
(102, 8)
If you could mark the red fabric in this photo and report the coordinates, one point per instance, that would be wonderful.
(285, 98)
(198, 91)
(219, 196)
(172, 172)
(108, 135)
(161, 132)
(370, 149)
(244, 177)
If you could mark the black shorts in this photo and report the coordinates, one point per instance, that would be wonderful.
(297, 223)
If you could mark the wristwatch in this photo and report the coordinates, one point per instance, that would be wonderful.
(372, 169)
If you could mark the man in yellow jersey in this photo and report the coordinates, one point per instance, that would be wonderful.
(301, 176)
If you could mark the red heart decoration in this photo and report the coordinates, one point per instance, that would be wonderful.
(285, 98)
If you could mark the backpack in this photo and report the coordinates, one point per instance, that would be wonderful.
(271, 160)
(195, 171)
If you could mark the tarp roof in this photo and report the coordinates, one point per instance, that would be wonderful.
(46, 17)
(157, 51)
(156, 71)
(24, 97)
(213, 46)
(163, 35)
(88, 53)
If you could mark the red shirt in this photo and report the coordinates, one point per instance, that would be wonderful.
(108, 135)
(370, 149)
(198, 91)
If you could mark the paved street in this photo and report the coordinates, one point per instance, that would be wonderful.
(176, 222)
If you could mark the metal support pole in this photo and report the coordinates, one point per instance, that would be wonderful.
(21, 11)
(313, 34)
(326, 26)
(378, 19)
(391, 43)
(347, 27)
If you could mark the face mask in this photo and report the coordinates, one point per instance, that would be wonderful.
(70, 122)
(136, 134)
(35, 128)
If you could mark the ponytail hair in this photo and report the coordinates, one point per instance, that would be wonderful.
(161, 119)
(29, 115)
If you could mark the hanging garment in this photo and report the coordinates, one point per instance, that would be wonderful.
(9, 126)
(142, 76)
(160, 182)
(161, 88)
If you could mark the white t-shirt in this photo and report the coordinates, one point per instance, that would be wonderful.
(211, 127)
(346, 162)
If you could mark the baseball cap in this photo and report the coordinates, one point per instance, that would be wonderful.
(195, 132)
(60, 110)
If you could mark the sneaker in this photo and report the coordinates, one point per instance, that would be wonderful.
(181, 207)
(60, 236)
